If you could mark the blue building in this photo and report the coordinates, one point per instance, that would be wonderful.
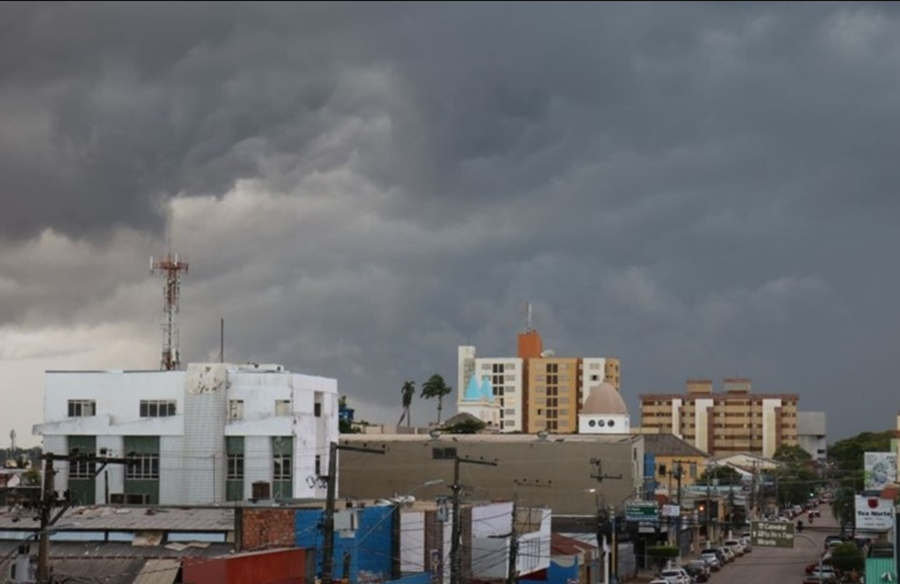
(364, 542)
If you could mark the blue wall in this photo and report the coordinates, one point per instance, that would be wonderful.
(370, 546)
(650, 483)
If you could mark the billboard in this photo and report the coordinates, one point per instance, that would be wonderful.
(880, 470)
(874, 513)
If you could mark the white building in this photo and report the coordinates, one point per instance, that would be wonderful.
(491, 389)
(812, 434)
(604, 412)
(200, 436)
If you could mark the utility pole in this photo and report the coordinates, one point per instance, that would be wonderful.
(512, 575)
(49, 500)
(456, 533)
(330, 495)
(610, 562)
(678, 474)
(708, 497)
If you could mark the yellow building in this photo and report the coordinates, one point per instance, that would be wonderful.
(532, 392)
(731, 421)
(672, 454)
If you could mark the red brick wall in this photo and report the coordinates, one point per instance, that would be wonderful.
(265, 528)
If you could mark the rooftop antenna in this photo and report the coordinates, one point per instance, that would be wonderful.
(528, 327)
(170, 267)
(12, 441)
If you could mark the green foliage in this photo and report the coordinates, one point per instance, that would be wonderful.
(663, 551)
(847, 557)
(408, 391)
(846, 456)
(725, 474)
(435, 387)
(843, 507)
(31, 477)
(791, 454)
(795, 482)
(472, 426)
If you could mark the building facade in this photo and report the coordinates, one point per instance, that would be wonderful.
(200, 436)
(532, 392)
(812, 434)
(558, 471)
(733, 420)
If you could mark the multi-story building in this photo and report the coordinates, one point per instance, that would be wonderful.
(731, 421)
(812, 434)
(534, 391)
(205, 435)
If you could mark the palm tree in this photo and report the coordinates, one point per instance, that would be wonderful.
(408, 391)
(435, 387)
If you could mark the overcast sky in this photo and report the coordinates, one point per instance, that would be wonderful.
(701, 190)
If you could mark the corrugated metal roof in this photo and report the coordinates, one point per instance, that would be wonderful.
(159, 572)
(130, 519)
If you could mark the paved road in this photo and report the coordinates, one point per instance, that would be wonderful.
(780, 565)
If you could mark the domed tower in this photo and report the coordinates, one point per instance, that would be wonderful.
(604, 412)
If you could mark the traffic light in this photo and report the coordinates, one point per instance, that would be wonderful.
(701, 507)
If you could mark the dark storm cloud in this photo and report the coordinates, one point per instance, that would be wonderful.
(700, 189)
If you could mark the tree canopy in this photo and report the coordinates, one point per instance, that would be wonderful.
(846, 457)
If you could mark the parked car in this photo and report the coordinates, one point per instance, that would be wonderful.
(736, 546)
(676, 576)
(728, 553)
(712, 560)
(698, 570)
(659, 581)
(745, 541)
(719, 555)
(828, 574)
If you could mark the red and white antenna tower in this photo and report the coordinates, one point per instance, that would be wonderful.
(170, 267)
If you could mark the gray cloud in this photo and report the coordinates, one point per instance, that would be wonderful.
(699, 189)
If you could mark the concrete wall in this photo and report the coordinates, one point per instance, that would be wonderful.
(563, 462)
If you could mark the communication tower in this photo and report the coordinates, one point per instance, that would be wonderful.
(170, 267)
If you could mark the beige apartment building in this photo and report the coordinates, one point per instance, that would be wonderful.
(532, 392)
(720, 423)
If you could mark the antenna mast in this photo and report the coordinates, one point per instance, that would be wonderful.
(170, 267)
(528, 327)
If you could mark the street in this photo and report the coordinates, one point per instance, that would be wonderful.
(781, 565)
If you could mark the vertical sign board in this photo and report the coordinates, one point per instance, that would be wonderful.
(772, 534)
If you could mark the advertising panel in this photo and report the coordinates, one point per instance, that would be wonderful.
(880, 470)
(874, 513)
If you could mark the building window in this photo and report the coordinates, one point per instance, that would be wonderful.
(235, 409)
(318, 465)
(157, 408)
(498, 368)
(82, 408)
(142, 466)
(281, 467)
(283, 407)
(235, 467)
(317, 410)
(662, 470)
(443, 453)
(80, 469)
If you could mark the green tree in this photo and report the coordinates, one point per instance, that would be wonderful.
(31, 477)
(408, 391)
(846, 557)
(843, 507)
(465, 427)
(792, 454)
(435, 387)
(726, 475)
(846, 457)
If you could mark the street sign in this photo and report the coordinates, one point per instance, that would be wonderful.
(643, 512)
(772, 534)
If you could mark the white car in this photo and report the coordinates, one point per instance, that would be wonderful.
(712, 560)
(736, 546)
(659, 581)
(676, 576)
